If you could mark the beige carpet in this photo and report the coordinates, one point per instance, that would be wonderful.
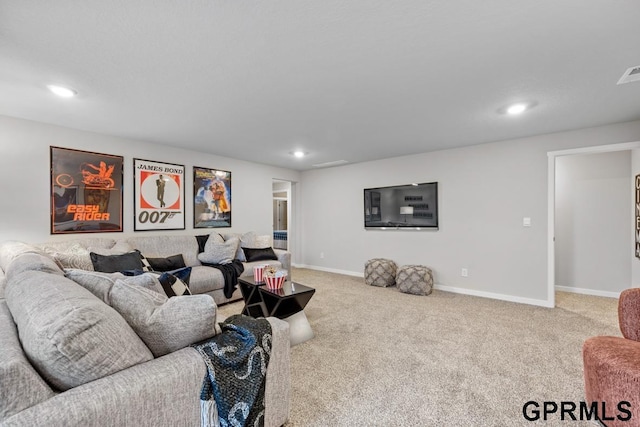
(384, 358)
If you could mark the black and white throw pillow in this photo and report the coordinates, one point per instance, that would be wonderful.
(176, 283)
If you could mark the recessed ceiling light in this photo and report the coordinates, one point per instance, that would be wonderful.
(516, 109)
(62, 91)
(299, 154)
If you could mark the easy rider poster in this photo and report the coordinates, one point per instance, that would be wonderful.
(86, 192)
(158, 195)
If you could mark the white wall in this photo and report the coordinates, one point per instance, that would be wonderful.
(593, 222)
(485, 191)
(24, 174)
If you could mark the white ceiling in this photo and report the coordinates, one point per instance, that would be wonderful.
(342, 80)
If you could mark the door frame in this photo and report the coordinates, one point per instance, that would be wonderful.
(551, 204)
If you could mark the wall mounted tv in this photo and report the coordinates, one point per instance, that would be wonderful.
(410, 207)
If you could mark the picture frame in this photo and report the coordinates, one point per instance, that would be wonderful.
(85, 191)
(211, 198)
(637, 215)
(159, 195)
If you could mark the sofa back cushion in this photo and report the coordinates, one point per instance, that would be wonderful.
(32, 262)
(69, 335)
(166, 246)
(75, 253)
(21, 385)
(11, 249)
(86, 242)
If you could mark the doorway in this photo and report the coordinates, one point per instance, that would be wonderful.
(281, 214)
(552, 218)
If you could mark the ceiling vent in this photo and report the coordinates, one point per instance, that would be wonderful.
(631, 75)
(327, 164)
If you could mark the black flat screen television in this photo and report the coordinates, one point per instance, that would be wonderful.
(411, 207)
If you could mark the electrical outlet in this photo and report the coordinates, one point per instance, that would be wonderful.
(321, 255)
(464, 272)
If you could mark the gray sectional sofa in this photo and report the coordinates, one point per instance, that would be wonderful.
(68, 358)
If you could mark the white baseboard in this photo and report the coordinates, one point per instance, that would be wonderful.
(329, 270)
(584, 291)
(502, 297)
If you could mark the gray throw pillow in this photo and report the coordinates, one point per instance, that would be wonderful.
(165, 324)
(74, 256)
(219, 253)
(100, 284)
(69, 335)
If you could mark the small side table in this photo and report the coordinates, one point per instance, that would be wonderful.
(287, 303)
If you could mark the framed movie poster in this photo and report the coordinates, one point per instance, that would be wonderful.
(158, 191)
(86, 192)
(211, 198)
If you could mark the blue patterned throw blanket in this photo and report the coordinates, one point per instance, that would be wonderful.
(233, 390)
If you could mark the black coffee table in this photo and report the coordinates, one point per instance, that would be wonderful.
(287, 303)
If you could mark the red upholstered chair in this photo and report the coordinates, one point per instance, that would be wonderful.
(612, 364)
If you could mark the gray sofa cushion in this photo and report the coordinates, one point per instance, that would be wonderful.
(70, 336)
(21, 385)
(85, 242)
(205, 279)
(100, 284)
(10, 250)
(32, 262)
(165, 324)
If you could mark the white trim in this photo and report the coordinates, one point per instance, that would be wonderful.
(551, 230)
(623, 146)
(471, 292)
(491, 295)
(551, 204)
(583, 291)
(329, 270)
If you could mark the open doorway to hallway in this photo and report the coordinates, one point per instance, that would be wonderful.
(281, 214)
(580, 222)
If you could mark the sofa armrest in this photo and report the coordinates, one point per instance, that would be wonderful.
(277, 398)
(284, 257)
(162, 391)
(629, 313)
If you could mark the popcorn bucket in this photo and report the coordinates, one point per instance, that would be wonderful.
(275, 282)
(258, 273)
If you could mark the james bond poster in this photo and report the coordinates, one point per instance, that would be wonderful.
(86, 191)
(211, 198)
(159, 195)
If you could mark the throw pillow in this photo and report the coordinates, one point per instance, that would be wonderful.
(202, 240)
(121, 247)
(165, 324)
(260, 254)
(173, 262)
(69, 335)
(114, 263)
(247, 240)
(75, 256)
(176, 283)
(100, 284)
(216, 253)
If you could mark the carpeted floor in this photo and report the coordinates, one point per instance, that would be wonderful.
(384, 358)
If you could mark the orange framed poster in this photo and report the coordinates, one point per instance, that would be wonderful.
(158, 195)
(86, 191)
